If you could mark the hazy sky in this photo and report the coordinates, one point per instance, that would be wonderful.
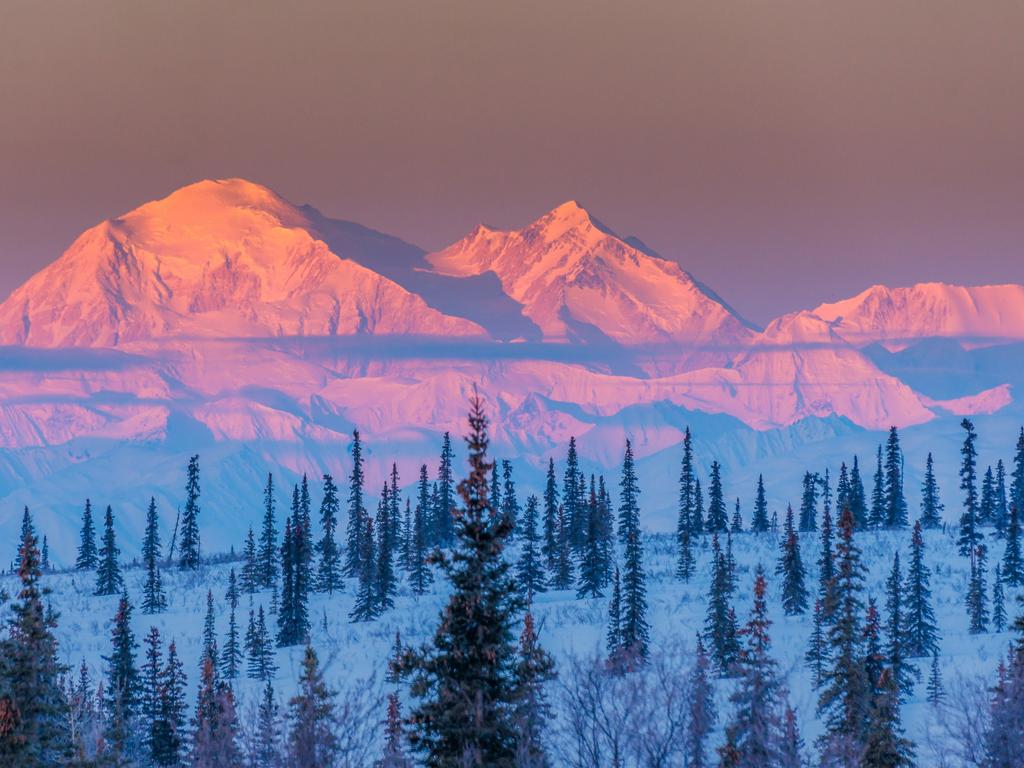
(786, 153)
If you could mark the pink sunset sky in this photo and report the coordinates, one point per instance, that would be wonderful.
(786, 153)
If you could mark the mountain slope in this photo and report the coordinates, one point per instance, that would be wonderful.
(216, 258)
(577, 281)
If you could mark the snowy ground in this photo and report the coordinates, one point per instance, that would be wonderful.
(356, 654)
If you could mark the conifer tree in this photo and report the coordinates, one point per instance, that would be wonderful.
(328, 576)
(1013, 560)
(809, 503)
(249, 580)
(571, 495)
(845, 688)
(509, 502)
(613, 636)
(266, 750)
(495, 487)
(394, 513)
(878, 515)
(826, 567)
(357, 514)
(703, 711)
(108, 571)
(591, 571)
(562, 577)
(151, 693)
(920, 632)
(33, 708)
(1017, 476)
(736, 526)
(189, 559)
(312, 719)
(791, 568)
(792, 746)
(231, 655)
(720, 631)
(684, 523)
(605, 532)
(406, 537)
(385, 583)
(904, 672)
(394, 754)
(698, 508)
(1001, 515)
(365, 605)
(153, 598)
(936, 691)
(258, 649)
(468, 675)
(530, 568)
(816, 655)
(987, 501)
(88, 557)
(970, 537)
(533, 670)
(268, 538)
(998, 602)
(44, 558)
(445, 502)
(635, 630)
(858, 499)
(895, 501)
(214, 741)
(123, 682)
(885, 744)
(717, 521)
(169, 730)
(550, 547)
(209, 632)
(843, 490)
(755, 729)
(420, 576)
(931, 507)
(977, 593)
(759, 522)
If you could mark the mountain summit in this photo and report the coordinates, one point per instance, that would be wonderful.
(578, 281)
(216, 258)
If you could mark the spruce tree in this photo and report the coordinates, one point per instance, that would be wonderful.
(591, 574)
(605, 532)
(878, 515)
(153, 598)
(904, 672)
(826, 567)
(684, 525)
(530, 568)
(791, 747)
(209, 632)
(365, 606)
(266, 749)
(385, 583)
(719, 623)
(250, 568)
(123, 683)
(533, 670)
(703, 711)
(1013, 560)
(1017, 476)
(791, 568)
(843, 489)
(921, 637)
(884, 742)
(312, 738)
(816, 655)
(977, 592)
(33, 708)
(755, 729)
(420, 576)
(936, 691)
(259, 650)
(759, 522)
(562, 577)
(571, 494)
(444, 529)
(550, 547)
(509, 502)
(169, 730)
(328, 576)
(895, 501)
(613, 636)
(1001, 514)
(495, 488)
(231, 655)
(845, 693)
(394, 737)
(88, 557)
(465, 681)
(268, 538)
(357, 514)
(214, 739)
(151, 693)
(698, 508)
(635, 629)
(858, 499)
(189, 559)
(736, 526)
(108, 570)
(998, 602)
(931, 507)
(987, 501)
(809, 503)
(970, 537)
(717, 521)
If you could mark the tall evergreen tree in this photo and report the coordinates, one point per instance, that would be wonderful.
(759, 522)
(231, 655)
(258, 648)
(445, 503)
(987, 500)
(843, 489)
(108, 571)
(312, 738)
(550, 547)
(209, 632)
(365, 606)
(509, 501)
(591, 574)
(920, 633)
(635, 629)
(465, 681)
(248, 582)
(720, 630)
(268, 538)
(571, 500)
(189, 558)
(791, 568)
(884, 742)
(613, 636)
(420, 576)
(329, 576)
(357, 514)
(931, 507)
(936, 691)
(151, 693)
(530, 568)
(736, 526)
(684, 524)
(977, 592)
(755, 729)
(816, 655)
(33, 709)
(826, 567)
(123, 689)
(385, 583)
(703, 711)
(214, 740)
(153, 598)
(858, 499)
(998, 602)
(698, 508)
(878, 515)
(286, 625)
(88, 557)
(904, 672)
(809, 503)
(845, 691)
(266, 751)
(895, 501)
(717, 521)
(1013, 560)
(1001, 514)
(970, 537)
(532, 711)
(169, 729)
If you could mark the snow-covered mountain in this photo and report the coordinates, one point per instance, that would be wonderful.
(225, 320)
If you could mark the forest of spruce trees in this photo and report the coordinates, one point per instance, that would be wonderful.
(480, 690)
